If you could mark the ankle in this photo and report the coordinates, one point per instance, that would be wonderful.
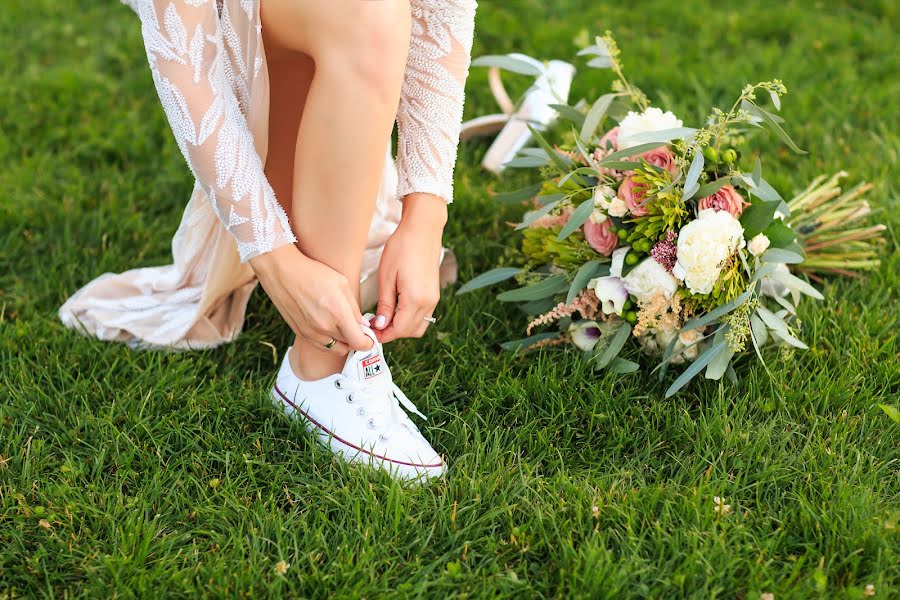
(315, 363)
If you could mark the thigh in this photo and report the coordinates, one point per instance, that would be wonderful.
(319, 28)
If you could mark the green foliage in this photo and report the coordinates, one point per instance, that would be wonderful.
(666, 211)
(540, 245)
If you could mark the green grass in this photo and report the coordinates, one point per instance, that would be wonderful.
(119, 451)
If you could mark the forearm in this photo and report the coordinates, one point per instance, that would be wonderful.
(424, 212)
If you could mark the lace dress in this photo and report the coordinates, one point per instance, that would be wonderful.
(208, 65)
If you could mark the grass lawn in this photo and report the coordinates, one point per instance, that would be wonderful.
(138, 473)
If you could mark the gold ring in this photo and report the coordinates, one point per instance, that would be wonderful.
(431, 320)
(330, 343)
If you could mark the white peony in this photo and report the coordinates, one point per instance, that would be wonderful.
(617, 208)
(652, 119)
(704, 245)
(648, 279)
(611, 292)
(758, 245)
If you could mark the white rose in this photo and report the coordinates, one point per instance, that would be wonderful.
(758, 244)
(603, 194)
(704, 245)
(617, 208)
(585, 334)
(611, 293)
(652, 119)
(648, 279)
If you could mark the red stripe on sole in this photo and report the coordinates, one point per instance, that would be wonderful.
(331, 434)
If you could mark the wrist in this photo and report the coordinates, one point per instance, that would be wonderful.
(424, 211)
(274, 259)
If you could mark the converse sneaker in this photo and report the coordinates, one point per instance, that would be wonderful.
(356, 413)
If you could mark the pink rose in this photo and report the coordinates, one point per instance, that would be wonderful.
(611, 136)
(633, 195)
(599, 236)
(661, 157)
(727, 199)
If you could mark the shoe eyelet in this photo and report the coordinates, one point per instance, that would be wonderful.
(383, 437)
(371, 424)
(361, 411)
(337, 384)
(349, 398)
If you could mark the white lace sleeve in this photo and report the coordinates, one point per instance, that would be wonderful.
(431, 103)
(185, 42)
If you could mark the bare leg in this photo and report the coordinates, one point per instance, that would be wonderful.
(359, 50)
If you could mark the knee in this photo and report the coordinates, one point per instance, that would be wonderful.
(373, 46)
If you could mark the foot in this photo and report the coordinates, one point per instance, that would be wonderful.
(356, 414)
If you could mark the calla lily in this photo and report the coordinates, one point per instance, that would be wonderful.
(585, 334)
(611, 292)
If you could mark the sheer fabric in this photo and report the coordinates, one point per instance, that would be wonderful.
(208, 65)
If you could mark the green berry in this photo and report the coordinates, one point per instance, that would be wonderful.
(631, 259)
(613, 228)
(628, 304)
(711, 154)
(622, 234)
(729, 156)
(630, 316)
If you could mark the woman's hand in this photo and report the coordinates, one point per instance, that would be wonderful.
(315, 300)
(409, 273)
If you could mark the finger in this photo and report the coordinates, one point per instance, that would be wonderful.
(322, 339)
(403, 325)
(351, 332)
(387, 302)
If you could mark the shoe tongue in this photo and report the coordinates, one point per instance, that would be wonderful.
(368, 367)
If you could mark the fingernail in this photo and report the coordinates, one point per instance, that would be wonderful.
(380, 321)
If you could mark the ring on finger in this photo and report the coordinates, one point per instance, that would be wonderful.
(431, 320)
(330, 343)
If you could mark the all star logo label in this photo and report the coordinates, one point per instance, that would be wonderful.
(372, 367)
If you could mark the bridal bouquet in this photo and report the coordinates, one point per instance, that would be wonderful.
(668, 238)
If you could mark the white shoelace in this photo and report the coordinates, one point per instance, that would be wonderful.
(382, 412)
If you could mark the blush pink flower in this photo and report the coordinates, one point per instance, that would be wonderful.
(727, 199)
(599, 236)
(611, 136)
(661, 157)
(633, 195)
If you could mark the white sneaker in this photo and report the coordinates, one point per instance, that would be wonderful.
(356, 413)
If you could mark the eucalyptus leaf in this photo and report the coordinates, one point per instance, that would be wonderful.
(615, 345)
(578, 218)
(507, 62)
(563, 162)
(623, 365)
(585, 273)
(695, 367)
(771, 123)
(527, 162)
(519, 195)
(715, 370)
(534, 215)
(693, 175)
(595, 115)
(757, 173)
(569, 113)
(628, 153)
(489, 278)
(718, 312)
(759, 330)
(708, 189)
(516, 345)
(662, 135)
(790, 339)
(780, 255)
(757, 217)
(666, 358)
(776, 100)
(795, 283)
(555, 284)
